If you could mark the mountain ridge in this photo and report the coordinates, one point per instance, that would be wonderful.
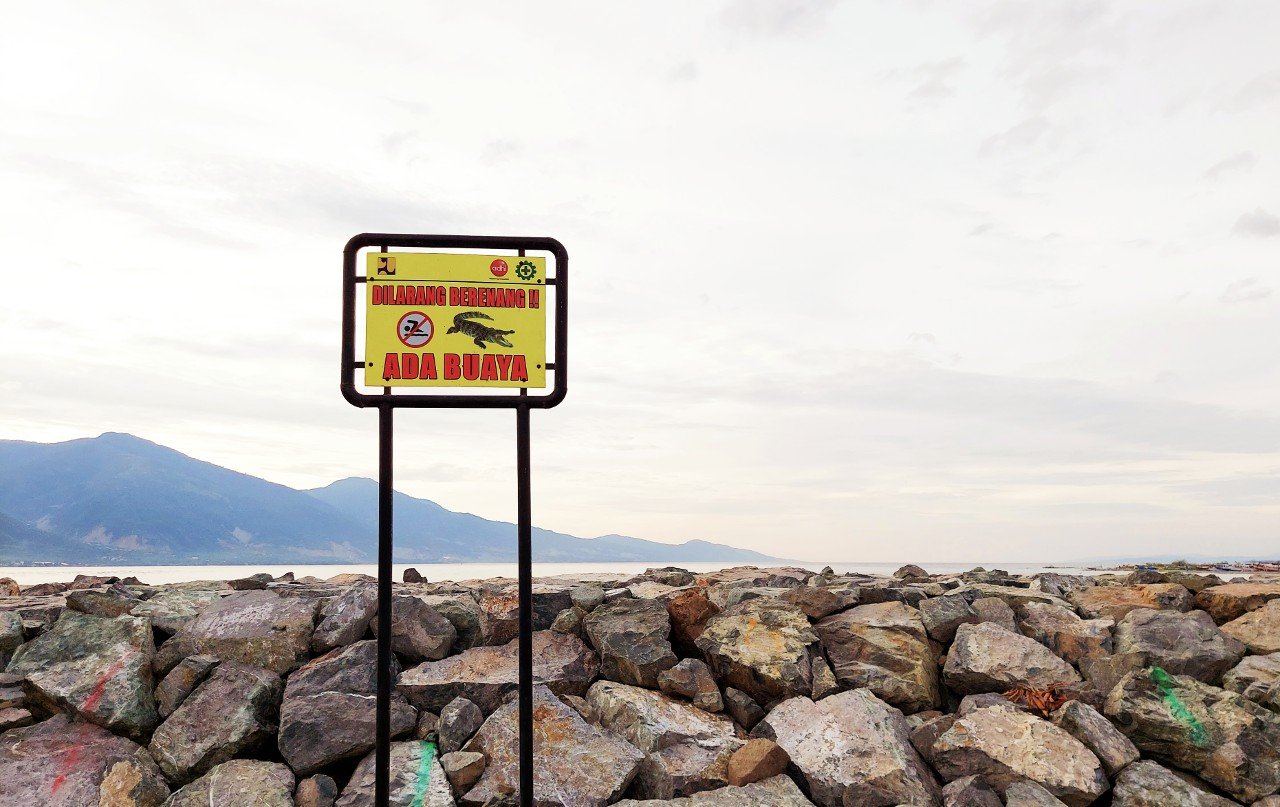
(121, 498)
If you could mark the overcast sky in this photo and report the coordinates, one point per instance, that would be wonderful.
(852, 280)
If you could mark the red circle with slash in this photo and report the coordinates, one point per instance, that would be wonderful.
(415, 329)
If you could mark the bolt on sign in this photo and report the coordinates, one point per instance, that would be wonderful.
(455, 320)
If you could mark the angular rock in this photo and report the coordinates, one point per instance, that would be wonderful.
(969, 792)
(690, 610)
(329, 709)
(1182, 643)
(234, 711)
(181, 681)
(763, 647)
(460, 719)
(942, 615)
(1147, 784)
(776, 577)
(632, 639)
(884, 648)
(417, 780)
(1194, 582)
(779, 791)
(1004, 746)
(238, 783)
(824, 680)
(1105, 672)
(574, 757)
(98, 668)
(756, 761)
(1217, 735)
(412, 575)
(1065, 633)
(742, 708)
(9, 587)
(418, 631)
(257, 628)
(687, 750)
(818, 602)
(1015, 596)
(1113, 602)
(464, 613)
(910, 570)
(692, 679)
(1257, 678)
(851, 748)
(1107, 743)
(316, 791)
(588, 597)
(1233, 600)
(1259, 629)
(463, 768)
(996, 611)
(988, 658)
(500, 604)
(1061, 585)
(254, 582)
(111, 602)
(14, 717)
(171, 609)
(1029, 794)
(10, 635)
(345, 619)
(484, 675)
(66, 763)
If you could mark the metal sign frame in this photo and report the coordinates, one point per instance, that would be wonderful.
(387, 403)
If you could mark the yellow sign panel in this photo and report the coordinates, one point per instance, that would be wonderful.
(446, 320)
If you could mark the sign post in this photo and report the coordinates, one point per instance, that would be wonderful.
(442, 312)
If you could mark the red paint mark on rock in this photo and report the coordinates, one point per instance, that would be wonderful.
(100, 687)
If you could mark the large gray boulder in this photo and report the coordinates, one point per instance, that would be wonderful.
(171, 609)
(233, 712)
(1113, 602)
(418, 631)
(687, 750)
(633, 639)
(1257, 678)
(883, 647)
(942, 615)
(417, 780)
(70, 763)
(463, 612)
(1107, 743)
(779, 791)
(97, 668)
(851, 748)
(345, 618)
(329, 710)
(988, 658)
(239, 783)
(1220, 736)
(257, 628)
(761, 647)
(1004, 746)
(1065, 633)
(692, 679)
(1147, 784)
(578, 764)
(1182, 643)
(484, 675)
(499, 601)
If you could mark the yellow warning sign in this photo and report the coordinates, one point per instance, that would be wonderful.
(447, 320)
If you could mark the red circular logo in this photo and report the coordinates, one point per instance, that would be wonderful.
(498, 267)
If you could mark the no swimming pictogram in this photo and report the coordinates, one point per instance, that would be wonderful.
(415, 329)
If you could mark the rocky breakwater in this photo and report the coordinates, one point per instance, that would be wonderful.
(775, 687)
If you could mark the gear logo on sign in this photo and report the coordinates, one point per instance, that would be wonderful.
(525, 270)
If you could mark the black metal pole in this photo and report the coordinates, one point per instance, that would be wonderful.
(525, 559)
(382, 752)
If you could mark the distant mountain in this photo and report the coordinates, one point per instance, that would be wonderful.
(119, 498)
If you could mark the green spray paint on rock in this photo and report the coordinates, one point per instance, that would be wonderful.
(428, 756)
(1165, 686)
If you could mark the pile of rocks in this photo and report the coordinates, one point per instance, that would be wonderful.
(776, 687)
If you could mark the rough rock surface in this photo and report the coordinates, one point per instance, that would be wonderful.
(884, 648)
(98, 668)
(970, 791)
(690, 610)
(687, 750)
(464, 613)
(1259, 630)
(233, 711)
(459, 720)
(70, 763)
(500, 606)
(988, 658)
(345, 618)
(172, 609)
(942, 615)
(756, 761)
(463, 769)
(1107, 743)
(1182, 643)
(1113, 602)
(316, 791)
(417, 780)
(483, 675)
(1029, 794)
(1147, 784)
(418, 631)
(239, 783)
(742, 708)
(110, 602)
(996, 611)
(258, 628)
(1065, 633)
(580, 765)
(692, 679)
(1257, 678)
(632, 638)
(851, 748)
(1220, 736)
(763, 648)
(1005, 746)
(1233, 600)
(776, 792)
(181, 681)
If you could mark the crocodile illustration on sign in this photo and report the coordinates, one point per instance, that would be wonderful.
(465, 324)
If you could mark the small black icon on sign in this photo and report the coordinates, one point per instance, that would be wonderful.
(415, 329)
(386, 265)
